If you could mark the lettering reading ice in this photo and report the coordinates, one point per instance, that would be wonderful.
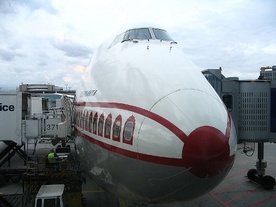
(4, 107)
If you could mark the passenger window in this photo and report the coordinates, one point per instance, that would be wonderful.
(228, 101)
(117, 128)
(101, 123)
(107, 127)
(128, 130)
(86, 126)
(95, 123)
(90, 122)
(81, 119)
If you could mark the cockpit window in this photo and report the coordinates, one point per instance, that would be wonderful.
(142, 33)
(161, 34)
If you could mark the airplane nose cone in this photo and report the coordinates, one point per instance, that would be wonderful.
(206, 152)
(208, 137)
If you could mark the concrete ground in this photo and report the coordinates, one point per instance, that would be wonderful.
(235, 191)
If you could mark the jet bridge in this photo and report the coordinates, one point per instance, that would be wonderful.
(26, 119)
(10, 126)
(251, 104)
(10, 116)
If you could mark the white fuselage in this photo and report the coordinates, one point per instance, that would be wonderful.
(149, 125)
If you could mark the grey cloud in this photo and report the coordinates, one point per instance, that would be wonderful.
(72, 49)
(9, 55)
(10, 6)
(42, 63)
(232, 39)
(41, 4)
(6, 7)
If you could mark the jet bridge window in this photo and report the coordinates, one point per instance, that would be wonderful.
(228, 101)
(142, 33)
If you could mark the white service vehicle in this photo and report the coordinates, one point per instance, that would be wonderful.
(50, 196)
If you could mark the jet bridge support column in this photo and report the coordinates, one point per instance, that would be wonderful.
(252, 108)
(261, 164)
(258, 175)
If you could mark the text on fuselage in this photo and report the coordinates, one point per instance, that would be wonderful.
(88, 93)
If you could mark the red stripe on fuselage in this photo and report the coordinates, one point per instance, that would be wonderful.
(135, 155)
(159, 119)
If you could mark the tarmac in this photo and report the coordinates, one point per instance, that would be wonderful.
(235, 190)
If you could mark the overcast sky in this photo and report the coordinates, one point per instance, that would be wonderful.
(52, 41)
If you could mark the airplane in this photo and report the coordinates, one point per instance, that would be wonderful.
(149, 126)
